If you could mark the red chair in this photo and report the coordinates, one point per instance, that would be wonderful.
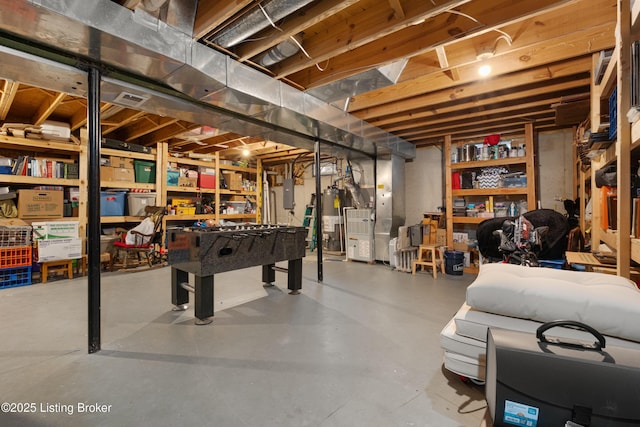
(138, 245)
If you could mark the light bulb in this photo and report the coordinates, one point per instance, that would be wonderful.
(484, 70)
(245, 152)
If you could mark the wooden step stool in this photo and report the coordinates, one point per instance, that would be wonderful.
(429, 256)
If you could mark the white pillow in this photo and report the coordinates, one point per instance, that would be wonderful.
(608, 303)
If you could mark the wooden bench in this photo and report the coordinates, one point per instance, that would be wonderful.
(57, 265)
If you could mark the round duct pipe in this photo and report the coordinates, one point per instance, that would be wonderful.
(279, 52)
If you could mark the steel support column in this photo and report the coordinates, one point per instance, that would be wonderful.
(318, 210)
(93, 227)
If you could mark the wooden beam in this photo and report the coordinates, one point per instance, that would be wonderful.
(148, 125)
(442, 57)
(293, 25)
(397, 9)
(457, 112)
(47, 107)
(167, 132)
(363, 23)
(9, 90)
(354, 45)
(212, 13)
(119, 120)
(532, 76)
(539, 42)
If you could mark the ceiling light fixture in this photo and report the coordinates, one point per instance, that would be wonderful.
(245, 152)
(483, 55)
(484, 70)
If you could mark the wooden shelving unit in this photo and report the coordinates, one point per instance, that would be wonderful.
(219, 194)
(54, 149)
(618, 74)
(525, 164)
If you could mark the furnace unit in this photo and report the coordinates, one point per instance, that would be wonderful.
(360, 226)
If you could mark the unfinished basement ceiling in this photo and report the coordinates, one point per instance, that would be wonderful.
(540, 53)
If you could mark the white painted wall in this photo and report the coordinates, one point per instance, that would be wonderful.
(555, 173)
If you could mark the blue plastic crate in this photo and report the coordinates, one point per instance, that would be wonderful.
(552, 263)
(14, 277)
(112, 203)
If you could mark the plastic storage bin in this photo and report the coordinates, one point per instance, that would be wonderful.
(145, 171)
(138, 201)
(112, 203)
(172, 178)
(454, 262)
(13, 277)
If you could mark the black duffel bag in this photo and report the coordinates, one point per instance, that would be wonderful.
(607, 175)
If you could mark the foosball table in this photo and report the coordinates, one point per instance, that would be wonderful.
(205, 251)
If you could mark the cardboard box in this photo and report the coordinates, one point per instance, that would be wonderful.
(120, 162)
(460, 246)
(441, 237)
(40, 203)
(106, 173)
(233, 180)
(183, 181)
(55, 249)
(123, 174)
(55, 230)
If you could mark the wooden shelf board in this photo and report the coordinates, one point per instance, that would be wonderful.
(19, 179)
(609, 237)
(116, 219)
(490, 191)
(129, 154)
(489, 163)
(177, 189)
(39, 144)
(192, 162)
(127, 184)
(237, 193)
(236, 216)
(188, 217)
(237, 168)
(468, 220)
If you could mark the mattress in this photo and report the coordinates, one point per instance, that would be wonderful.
(608, 303)
(464, 365)
(464, 356)
(455, 343)
(472, 323)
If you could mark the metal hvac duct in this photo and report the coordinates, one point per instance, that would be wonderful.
(249, 24)
(101, 31)
(366, 81)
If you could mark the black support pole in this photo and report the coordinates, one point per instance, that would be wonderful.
(93, 235)
(318, 209)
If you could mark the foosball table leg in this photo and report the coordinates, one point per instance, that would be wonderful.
(179, 295)
(294, 279)
(268, 275)
(204, 299)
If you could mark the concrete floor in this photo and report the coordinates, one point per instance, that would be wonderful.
(360, 349)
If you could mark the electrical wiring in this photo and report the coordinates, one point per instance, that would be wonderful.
(264, 12)
(504, 36)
